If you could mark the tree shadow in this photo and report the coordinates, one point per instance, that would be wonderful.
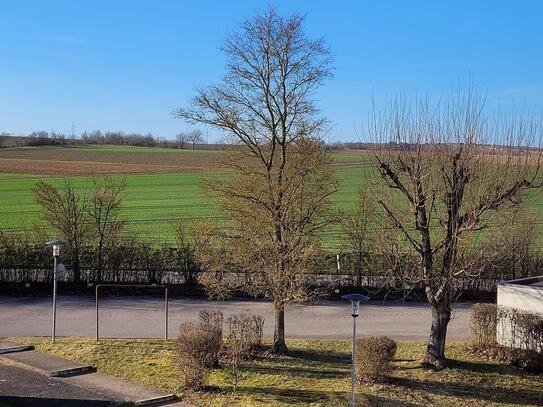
(297, 396)
(298, 371)
(292, 396)
(485, 367)
(371, 400)
(476, 391)
(328, 356)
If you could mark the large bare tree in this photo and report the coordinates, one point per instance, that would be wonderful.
(446, 170)
(264, 104)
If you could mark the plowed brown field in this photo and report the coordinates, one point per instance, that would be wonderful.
(80, 161)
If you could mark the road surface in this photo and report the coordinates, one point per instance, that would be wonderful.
(24, 388)
(143, 317)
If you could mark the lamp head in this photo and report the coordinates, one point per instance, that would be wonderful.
(56, 245)
(355, 299)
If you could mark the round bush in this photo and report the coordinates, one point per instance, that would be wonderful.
(374, 356)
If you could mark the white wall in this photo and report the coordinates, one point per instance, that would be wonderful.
(515, 294)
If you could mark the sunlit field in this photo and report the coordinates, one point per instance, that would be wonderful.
(163, 184)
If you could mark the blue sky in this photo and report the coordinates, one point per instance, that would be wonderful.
(125, 65)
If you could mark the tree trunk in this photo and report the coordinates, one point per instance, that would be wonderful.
(76, 268)
(279, 344)
(99, 268)
(435, 351)
(359, 273)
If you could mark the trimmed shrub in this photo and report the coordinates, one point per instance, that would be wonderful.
(198, 346)
(521, 336)
(521, 329)
(484, 318)
(374, 356)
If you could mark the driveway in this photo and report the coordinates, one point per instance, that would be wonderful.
(143, 317)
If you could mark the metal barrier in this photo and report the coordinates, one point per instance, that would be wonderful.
(133, 286)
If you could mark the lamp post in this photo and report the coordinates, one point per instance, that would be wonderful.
(55, 244)
(355, 299)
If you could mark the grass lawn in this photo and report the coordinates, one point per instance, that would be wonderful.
(316, 373)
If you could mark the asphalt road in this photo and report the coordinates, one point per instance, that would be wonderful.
(24, 388)
(143, 317)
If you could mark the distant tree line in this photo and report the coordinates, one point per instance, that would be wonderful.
(189, 139)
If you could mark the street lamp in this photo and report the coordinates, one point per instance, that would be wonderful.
(355, 299)
(55, 244)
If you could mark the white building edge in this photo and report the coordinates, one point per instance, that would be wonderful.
(525, 294)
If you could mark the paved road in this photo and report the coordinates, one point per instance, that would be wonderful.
(41, 391)
(143, 317)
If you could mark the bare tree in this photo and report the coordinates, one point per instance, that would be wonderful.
(264, 105)
(271, 258)
(66, 211)
(445, 170)
(195, 137)
(182, 138)
(355, 228)
(511, 245)
(185, 256)
(104, 213)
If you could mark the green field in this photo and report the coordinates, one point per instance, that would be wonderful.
(154, 203)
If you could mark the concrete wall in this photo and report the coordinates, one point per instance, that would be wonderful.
(522, 295)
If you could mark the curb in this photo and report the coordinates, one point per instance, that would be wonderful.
(155, 401)
(16, 348)
(73, 371)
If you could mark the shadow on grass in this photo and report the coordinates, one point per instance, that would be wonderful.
(475, 391)
(485, 367)
(295, 371)
(299, 396)
(371, 400)
(293, 396)
(326, 356)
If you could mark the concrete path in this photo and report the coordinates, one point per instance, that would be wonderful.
(26, 380)
(143, 317)
(45, 364)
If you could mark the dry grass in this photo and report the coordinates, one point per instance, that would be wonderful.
(316, 373)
